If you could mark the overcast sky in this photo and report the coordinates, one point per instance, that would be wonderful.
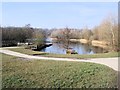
(56, 14)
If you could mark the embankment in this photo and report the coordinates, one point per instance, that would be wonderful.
(96, 43)
(84, 41)
(102, 44)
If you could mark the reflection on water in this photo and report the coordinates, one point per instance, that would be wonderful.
(80, 48)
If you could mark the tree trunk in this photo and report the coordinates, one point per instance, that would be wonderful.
(113, 38)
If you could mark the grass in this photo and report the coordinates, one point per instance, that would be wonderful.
(24, 73)
(101, 55)
(26, 51)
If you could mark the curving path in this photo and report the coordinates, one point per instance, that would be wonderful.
(110, 62)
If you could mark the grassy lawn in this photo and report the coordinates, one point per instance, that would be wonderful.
(102, 55)
(20, 72)
(26, 51)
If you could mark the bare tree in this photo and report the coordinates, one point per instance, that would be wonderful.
(86, 33)
(114, 31)
(64, 37)
(108, 31)
(95, 33)
(39, 37)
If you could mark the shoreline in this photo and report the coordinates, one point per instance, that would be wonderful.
(96, 43)
(111, 62)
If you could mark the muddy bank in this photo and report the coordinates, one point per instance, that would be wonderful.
(102, 44)
(84, 41)
(96, 43)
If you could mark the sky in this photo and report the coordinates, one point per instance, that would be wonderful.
(56, 14)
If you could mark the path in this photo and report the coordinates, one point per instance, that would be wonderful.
(110, 62)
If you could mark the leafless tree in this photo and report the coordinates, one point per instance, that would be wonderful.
(64, 37)
(39, 37)
(86, 33)
(108, 31)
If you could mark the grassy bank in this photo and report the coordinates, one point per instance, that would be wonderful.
(30, 52)
(20, 72)
(25, 51)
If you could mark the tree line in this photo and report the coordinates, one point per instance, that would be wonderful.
(12, 35)
(106, 31)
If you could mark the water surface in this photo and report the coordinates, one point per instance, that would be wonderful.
(57, 48)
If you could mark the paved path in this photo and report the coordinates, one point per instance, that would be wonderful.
(110, 62)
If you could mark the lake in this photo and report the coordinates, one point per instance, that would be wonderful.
(78, 47)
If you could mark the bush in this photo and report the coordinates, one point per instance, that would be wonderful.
(68, 51)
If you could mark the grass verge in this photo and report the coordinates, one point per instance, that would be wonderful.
(30, 52)
(26, 51)
(24, 73)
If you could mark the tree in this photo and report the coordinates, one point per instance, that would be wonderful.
(75, 34)
(86, 33)
(39, 37)
(95, 33)
(64, 37)
(114, 32)
(13, 35)
(108, 31)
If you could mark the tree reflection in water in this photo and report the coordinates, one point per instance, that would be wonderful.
(78, 47)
